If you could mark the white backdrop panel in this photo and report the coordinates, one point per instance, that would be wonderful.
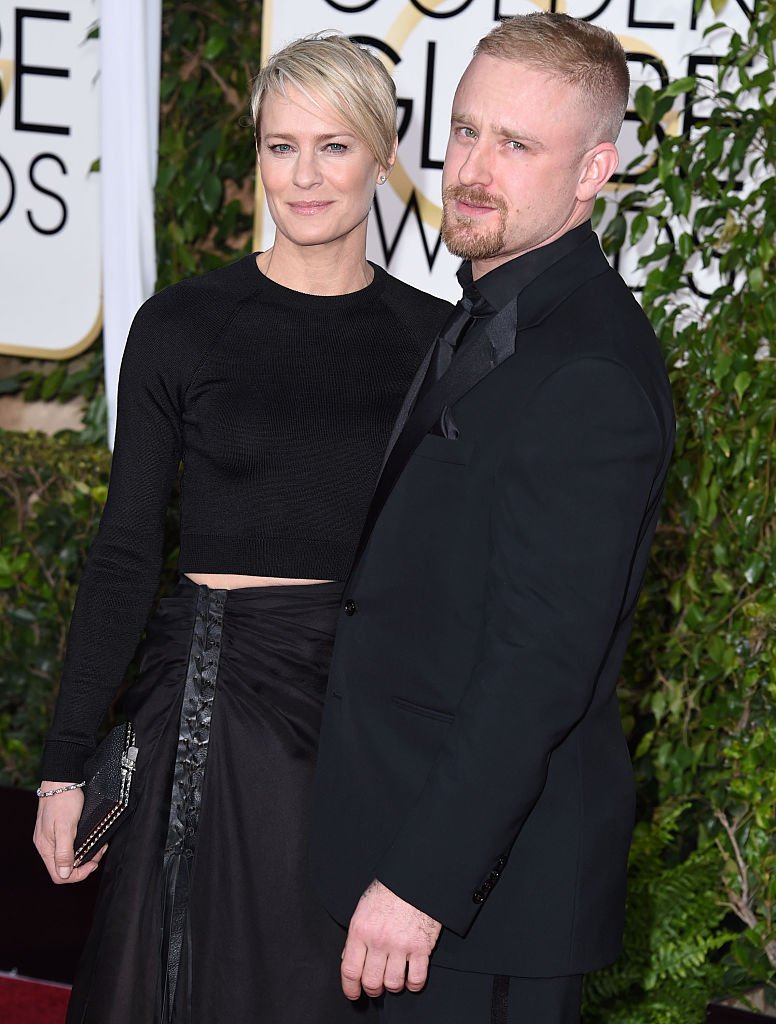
(49, 198)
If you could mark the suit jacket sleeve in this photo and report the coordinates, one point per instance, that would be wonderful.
(569, 506)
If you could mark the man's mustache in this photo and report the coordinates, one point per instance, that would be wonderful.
(473, 196)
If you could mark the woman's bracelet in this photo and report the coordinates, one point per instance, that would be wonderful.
(62, 789)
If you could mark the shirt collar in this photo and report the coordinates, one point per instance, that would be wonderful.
(498, 287)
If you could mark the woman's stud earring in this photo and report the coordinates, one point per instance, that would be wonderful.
(381, 179)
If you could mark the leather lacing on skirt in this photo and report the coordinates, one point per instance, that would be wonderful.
(188, 780)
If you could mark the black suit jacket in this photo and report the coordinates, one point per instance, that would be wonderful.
(472, 756)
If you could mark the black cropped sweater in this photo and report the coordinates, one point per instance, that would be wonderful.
(279, 405)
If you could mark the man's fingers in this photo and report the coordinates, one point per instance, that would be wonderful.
(417, 972)
(373, 975)
(395, 972)
(352, 967)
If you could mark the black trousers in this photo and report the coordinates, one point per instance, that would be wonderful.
(457, 997)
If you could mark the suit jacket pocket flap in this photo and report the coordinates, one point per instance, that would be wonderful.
(419, 709)
(440, 449)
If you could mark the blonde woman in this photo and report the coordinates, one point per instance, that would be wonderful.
(275, 381)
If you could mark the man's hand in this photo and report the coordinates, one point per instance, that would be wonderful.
(388, 945)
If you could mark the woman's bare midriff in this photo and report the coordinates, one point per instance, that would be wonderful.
(233, 581)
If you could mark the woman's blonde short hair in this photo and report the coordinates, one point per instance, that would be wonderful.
(331, 69)
(586, 56)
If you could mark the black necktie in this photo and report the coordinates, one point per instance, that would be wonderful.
(470, 307)
(446, 343)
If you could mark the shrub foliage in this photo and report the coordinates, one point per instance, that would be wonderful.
(700, 678)
(51, 496)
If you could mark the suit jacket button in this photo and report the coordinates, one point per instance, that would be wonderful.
(350, 607)
(478, 896)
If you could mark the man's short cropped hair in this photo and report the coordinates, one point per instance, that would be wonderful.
(586, 56)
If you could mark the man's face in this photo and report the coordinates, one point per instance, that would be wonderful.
(516, 163)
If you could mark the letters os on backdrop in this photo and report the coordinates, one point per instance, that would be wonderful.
(50, 281)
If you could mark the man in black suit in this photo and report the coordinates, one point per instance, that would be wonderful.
(475, 794)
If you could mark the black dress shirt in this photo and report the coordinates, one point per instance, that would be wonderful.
(490, 293)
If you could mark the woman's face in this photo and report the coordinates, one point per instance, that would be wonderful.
(319, 177)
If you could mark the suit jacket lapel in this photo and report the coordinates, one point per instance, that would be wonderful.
(473, 362)
(409, 401)
(470, 365)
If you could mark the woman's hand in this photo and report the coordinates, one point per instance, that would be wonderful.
(55, 833)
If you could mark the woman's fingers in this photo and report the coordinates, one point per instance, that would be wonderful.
(54, 835)
(64, 835)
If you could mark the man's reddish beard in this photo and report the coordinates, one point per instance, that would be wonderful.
(461, 234)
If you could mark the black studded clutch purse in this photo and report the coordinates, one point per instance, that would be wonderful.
(109, 774)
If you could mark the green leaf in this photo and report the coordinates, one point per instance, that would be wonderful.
(599, 208)
(713, 144)
(32, 390)
(22, 615)
(723, 582)
(741, 383)
(644, 133)
(644, 101)
(685, 245)
(666, 166)
(639, 225)
(614, 235)
(754, 568)
(730, 229)
(658, 705)
(662, 106)
(214, 46)
(756, 279)
(679, 86)
(679, 191)
(644, 744)
(211, 193)
(53, 382)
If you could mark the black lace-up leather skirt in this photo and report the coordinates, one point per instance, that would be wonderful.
(206, 913)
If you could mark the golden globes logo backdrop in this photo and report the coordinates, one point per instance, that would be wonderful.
(426, 45)
(49, 196)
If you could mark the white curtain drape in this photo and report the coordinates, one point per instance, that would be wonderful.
(130, 44)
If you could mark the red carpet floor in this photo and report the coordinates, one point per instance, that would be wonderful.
(25, 1001)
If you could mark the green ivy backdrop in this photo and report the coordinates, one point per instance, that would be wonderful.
(699, 684)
